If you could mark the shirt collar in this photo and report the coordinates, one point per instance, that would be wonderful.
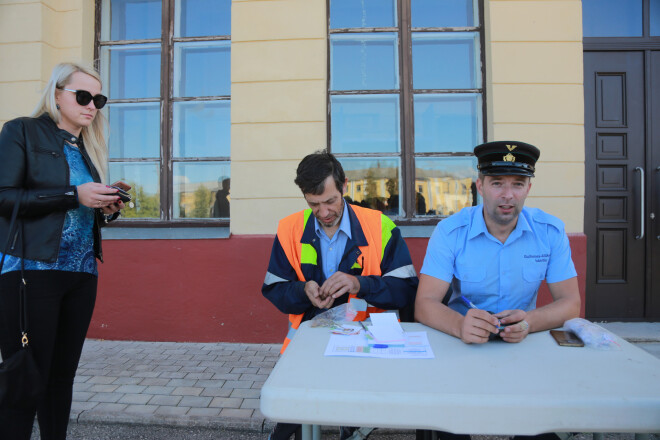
(478, 224)
(344, 224)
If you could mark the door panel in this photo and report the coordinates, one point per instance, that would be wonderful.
(615, 147)
(653, 190)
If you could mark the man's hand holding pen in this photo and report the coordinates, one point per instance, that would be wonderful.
(477, 326)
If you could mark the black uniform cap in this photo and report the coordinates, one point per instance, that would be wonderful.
(503, 158)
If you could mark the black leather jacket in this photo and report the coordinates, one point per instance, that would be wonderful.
(32, 158)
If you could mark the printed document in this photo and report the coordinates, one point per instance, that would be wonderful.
(415, 345)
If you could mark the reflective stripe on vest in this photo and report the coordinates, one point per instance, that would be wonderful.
(377, 229)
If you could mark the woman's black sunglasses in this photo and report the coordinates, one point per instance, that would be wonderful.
(83, 97)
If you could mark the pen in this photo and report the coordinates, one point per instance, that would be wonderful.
(472, 306)
(468, 302)
(365, 329)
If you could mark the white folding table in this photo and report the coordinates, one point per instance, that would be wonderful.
(495, 388)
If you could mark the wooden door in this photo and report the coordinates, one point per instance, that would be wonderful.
(614, 152)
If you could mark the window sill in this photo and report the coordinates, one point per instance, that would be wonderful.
(417, 231)
(189, 233)
(196, 233)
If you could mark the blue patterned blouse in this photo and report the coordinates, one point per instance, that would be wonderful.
(77, 243)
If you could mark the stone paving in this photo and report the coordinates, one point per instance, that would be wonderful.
(204, 384)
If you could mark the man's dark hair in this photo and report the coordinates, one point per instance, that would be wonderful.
(315, 168)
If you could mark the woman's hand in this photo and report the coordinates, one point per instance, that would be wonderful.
(111, 209)
(98, 195)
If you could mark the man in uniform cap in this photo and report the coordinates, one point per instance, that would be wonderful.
(495, 256)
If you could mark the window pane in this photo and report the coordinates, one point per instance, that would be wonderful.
(445, 185)
(201, 129)
(144, 178)
(365, 124)
(655, 18)
(197, 18)
(446, 60)
(612, 18)
(131, 19)
(134, 130)
(374, 183)
(202, 69)
(134, 70)
(196, 186)
(361, 14)
(447, 122)
(364, 62)
(434, 13)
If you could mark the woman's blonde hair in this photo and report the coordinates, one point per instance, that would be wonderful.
(94, 134)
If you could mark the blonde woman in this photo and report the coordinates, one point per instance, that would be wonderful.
(55, 161)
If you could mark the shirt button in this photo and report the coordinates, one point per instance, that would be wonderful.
(73, 139)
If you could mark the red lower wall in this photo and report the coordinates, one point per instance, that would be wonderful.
(208, 290)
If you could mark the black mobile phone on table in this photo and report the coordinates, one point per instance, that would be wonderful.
(566, 338)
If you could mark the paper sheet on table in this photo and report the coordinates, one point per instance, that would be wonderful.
(416, 346)
(385, 328)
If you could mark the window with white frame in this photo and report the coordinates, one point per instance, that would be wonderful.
(406, 102)
(166, 70)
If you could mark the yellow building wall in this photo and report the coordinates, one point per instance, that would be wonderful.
(278, 106)
(535, 94)
(34, 36)
(279, 91)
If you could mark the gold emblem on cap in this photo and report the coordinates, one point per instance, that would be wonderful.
(511, 147)
(509, 157)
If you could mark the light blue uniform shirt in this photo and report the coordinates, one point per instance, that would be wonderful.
(498, 276)
(332, 249)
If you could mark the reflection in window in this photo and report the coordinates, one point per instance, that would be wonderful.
(134, 130)
(201, 129)
(612, 18)
(203, 18)
(201, 190)
(365, 123)
(654, 13)
(145, 191)
(132, 20)
(381, 125)
(447, 122)
(364, 61)
(445, 185)
(434, 13)
(373, 183)
(362, 14)
(134, 70)
(446, 60)
(202, 69)
(169, 134)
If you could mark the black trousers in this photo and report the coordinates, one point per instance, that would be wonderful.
(59, 308)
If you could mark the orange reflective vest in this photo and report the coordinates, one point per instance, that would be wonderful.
(377, 229)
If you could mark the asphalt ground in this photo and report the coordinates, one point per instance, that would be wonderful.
(101, 431)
